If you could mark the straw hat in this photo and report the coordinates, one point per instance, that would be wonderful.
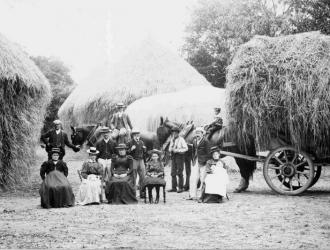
(215, 149)
(57, 122)
(135, 131)
(121, 146)
(155, 151)
(55, 151)
(92, 151)
(105, 130)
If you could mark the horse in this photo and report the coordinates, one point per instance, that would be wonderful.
(91, 135)
(226, 141)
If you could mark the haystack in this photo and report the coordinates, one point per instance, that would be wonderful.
(24, 95)
(147, 69)
(280, 87)
(192, 104)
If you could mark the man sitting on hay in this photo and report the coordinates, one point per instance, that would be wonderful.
(121, 125)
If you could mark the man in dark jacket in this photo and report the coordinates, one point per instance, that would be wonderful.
(201, 154)
(137, 150)
(57, 138)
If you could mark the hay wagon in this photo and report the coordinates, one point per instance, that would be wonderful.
(286, 169)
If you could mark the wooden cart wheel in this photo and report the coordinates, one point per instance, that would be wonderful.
(288, 171)
(317, 174)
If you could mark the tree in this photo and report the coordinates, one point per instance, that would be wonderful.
(219, 27)
(61, 84)
(310, 15)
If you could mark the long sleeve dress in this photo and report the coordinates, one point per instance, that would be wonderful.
(120, 189)
(91, 186)
(216, 180)
(154, 174)
(55, 190)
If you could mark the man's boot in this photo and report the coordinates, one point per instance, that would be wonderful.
(243, 185)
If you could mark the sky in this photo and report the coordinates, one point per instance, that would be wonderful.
(87, 33)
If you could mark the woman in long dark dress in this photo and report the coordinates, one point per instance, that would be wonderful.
(55, 190)
(120, 188)
(154, 174)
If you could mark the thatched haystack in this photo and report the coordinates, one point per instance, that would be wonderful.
(24, 95)
(192, 104)
(280, 86)
(147, 69)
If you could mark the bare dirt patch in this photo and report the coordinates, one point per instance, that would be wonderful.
(258, 218)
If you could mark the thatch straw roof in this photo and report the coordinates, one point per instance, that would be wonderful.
(280, 86)
(24, 95)
(192, 104)
(147, 69)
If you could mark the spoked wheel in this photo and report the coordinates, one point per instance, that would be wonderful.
(317, 174)
(288, 171)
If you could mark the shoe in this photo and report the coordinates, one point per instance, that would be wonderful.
(200, 200)
(186, 189)
(180, 190)
(171, 190)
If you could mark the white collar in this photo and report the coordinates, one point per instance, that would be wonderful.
(58, 131)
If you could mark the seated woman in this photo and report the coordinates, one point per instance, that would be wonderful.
(91, 185)
(215, 179)
(154, 175)
(120, 187)
(55, 190)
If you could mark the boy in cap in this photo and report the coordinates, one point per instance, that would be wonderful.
(216, 124)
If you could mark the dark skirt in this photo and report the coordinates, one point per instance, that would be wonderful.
(56, 191)
(120, 191)
(153, 181)
(212, 198)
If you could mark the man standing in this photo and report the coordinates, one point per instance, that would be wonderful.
(121, 124)
(137, 149)
(216, 124)
(177, 148)
(106, 148)
(201, 154)
(57, 138)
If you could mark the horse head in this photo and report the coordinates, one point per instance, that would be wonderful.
(77, 136)
(163, 131)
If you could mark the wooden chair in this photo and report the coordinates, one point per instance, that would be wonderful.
(147, 187)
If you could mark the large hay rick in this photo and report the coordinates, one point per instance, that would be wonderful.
(24, 95)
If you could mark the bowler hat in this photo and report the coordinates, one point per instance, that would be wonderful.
(175, 129)
(121, 146)
(92, 151)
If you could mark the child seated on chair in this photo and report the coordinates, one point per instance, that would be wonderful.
(154, 174)
(91, 186)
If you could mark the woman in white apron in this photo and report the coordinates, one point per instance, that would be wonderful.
(215, 179)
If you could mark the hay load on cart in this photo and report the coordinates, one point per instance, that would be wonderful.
(279, 93)
(24, 96)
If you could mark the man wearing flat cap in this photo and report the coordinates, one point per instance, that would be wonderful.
(121, 124)
(57, 138)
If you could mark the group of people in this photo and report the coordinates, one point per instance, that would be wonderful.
(111, 171)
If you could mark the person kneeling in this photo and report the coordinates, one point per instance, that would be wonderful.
(91, 185)
(215, 179)
(55, 190)
(120, 188)
(154, 175)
